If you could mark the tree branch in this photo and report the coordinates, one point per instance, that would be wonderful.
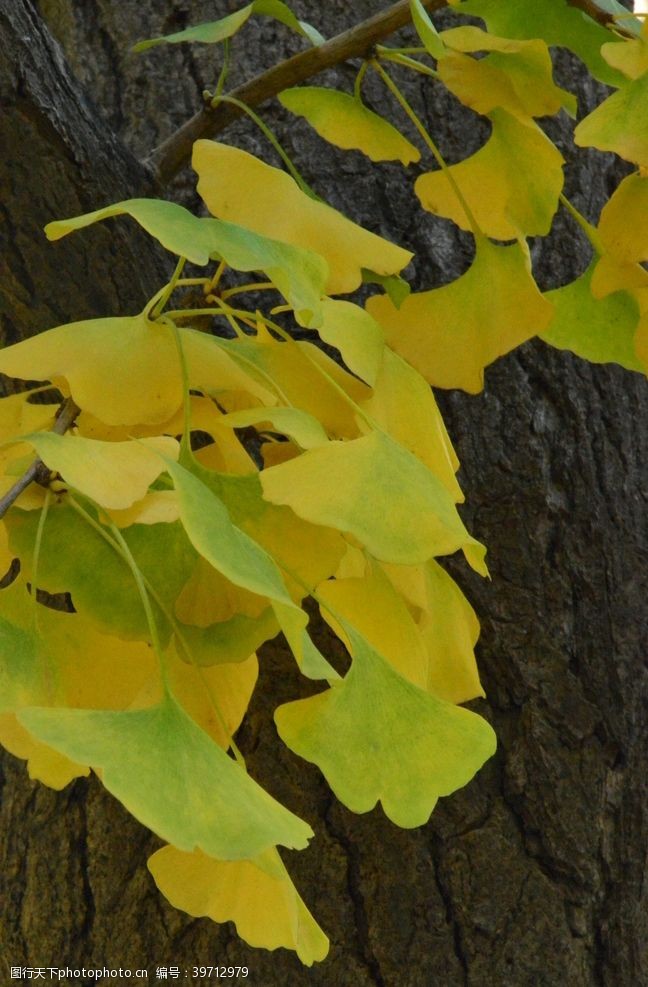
(68, 412)
(166, 160)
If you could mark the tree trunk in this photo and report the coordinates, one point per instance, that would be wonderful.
(534, 873)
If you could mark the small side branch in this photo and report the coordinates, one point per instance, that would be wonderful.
(38, 471)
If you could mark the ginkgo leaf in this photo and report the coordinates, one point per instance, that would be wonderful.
(240, 188)
(99, 580)
(405, 407)
(389, 500)
(230, 641)
(620, 123)
(448, 627)
(172, 777)
(157, 507)
(451, 333)
(257, 895)
(299, 425)
(214, 32)
(294, 368)
(355, 334)
(426, 30)
(629, 56)
(307, 552)
(599, 330)
(216, 698)
(555, 21)
(627, 241)
(18, 416)
(43, 764)
(126, 371)
(511, 184)
(243, 562)
(374, 608)
(299, 274)
(114, 474)
(516, 75)
(345, 121)
(211, 32)
(209, 598)
(376, 736)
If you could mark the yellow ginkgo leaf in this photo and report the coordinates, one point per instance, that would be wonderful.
(43, 763)
(623, 226)
(629, 56)
(345, 121)
(448, 627)
(404, 405)
(511, 184)
(238, 187)
(515, 76)
(114, 474)
(209, 598)
(355, 334)
(620, 123)
(451, 333)
(375, 609)
(217, 696)
(126, 371)
(257, 895)
(389, 500)
(296, 371)
(18, 416)
(157, 506)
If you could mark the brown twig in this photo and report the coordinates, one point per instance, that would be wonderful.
(37, 470)
(167, 159)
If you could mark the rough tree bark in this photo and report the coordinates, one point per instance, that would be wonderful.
(532, 875)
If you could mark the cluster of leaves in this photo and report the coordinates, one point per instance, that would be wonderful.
(212, 483)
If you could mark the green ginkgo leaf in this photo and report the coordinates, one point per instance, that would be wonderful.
(172, 777)
(389, 500)
(214, 32)
(299, 274)
(426, 30)
(600, 330)
(231, 551)
(357, 336)
(555, 21)
(620, 123)
(376, 736)
(345, 121)
(98, 579)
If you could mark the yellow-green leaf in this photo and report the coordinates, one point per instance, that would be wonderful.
(451, 333)
(299, 425)
(389, 500)
(211, 32)
(355, 334)
(172, 777)
(620, 123)
(345, 121)
(404, 406)
(600, 330)
(257, 895)
(516, 76)
(511, 184)
(623, 226)
(426, 30)
(239, 188)
(300, 275)
(376, 736)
